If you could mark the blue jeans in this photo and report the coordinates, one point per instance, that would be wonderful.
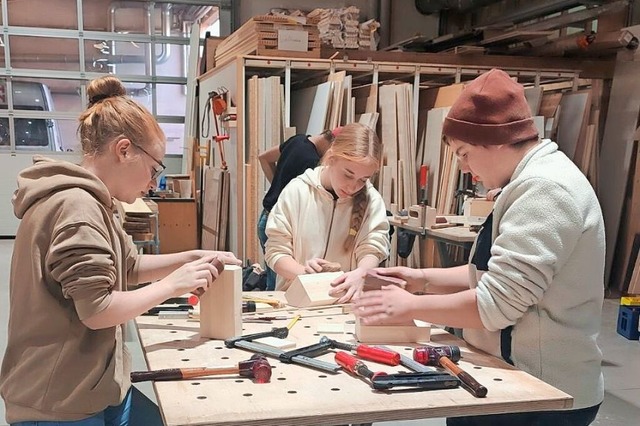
(135, 409)
(262, 236)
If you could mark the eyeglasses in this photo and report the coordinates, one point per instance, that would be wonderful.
(156, 172)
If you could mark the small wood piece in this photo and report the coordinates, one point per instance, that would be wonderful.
(412, 333)
(479, 207)
(221, 306)
(276, 343)
(329, 328)
(331, 267)
(311, 290)
(375, 281)
(421, 216)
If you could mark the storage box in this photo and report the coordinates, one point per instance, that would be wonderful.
(628, 322)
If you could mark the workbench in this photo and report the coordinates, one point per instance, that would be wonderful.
(298, 395)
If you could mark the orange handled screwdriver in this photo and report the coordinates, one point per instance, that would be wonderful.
(370, 353)
(354, 366)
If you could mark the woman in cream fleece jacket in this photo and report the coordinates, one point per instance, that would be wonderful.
(332, 214)
(533, 291)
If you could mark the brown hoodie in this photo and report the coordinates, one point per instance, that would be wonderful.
(70, 253)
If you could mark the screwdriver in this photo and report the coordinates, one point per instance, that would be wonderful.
(354, 366)
(370, 353)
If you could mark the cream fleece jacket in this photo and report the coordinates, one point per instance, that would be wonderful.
(546, 274)
(307, 222)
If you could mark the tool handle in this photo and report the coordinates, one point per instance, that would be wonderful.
(354, 365)
(426, 380)
(383, 356)
(157, 375)
(470, 383)
(347, 361)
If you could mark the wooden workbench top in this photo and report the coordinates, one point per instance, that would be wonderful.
(298, 395)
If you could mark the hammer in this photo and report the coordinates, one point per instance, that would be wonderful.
(257, 367)
(442, 356)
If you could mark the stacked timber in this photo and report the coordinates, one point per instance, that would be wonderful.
(260, 35)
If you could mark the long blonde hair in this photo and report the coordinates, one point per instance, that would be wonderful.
(358, 143)
(111, 115)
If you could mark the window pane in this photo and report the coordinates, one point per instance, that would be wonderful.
(68, 135)
(170, 60)
(172, 99)
(47, 95)
(35, 132)
(37, 53)
(175, 137)
(60, 14)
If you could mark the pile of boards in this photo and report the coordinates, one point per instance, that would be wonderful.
(259, 35)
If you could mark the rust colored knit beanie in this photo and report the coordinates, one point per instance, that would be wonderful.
(491, 110)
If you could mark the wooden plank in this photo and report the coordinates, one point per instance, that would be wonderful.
(432, 150)
(321, 107)
(615, 153)
(573, 107)
(534, 99)
(138, 207)
(211, 213)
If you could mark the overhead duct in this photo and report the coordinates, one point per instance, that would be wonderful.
(429, 7)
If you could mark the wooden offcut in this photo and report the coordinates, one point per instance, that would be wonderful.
(221, 306)
(416, 332)
(311, 290)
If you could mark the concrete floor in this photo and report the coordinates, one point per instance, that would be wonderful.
(621, 363)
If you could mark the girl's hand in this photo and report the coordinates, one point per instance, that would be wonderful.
(415, 278)
(314, 266)
(193, 277)
(225, 257)
(348, 285)
(391, 304)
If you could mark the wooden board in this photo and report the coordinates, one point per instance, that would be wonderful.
(301, 396)
(615, 153)
(573, 108)
(534, 98)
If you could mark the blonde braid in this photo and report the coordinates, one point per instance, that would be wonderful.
(360, 203)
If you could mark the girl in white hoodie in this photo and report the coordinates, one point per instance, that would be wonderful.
(332, 214)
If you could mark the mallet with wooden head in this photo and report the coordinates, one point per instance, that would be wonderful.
(257, 368)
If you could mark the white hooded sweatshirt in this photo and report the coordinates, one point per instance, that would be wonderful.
(307, 222)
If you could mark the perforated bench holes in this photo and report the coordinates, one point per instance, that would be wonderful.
(292, 391)
(224, 357)
(477, 368)
(195, 383)
(497, 379)
(281, 378)
(185, 359)
(180, 349)
(247, 394)
(202, 397)
(335, 389)
(323, 376)
(239, 381)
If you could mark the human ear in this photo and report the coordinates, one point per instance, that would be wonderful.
(121, 149)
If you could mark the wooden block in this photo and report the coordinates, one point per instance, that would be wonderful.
(418, 332)
(329, 328)
(421, 216)
(374, 281)
(479, 207)
(221, 306)
(276, 343)
(311, 290)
